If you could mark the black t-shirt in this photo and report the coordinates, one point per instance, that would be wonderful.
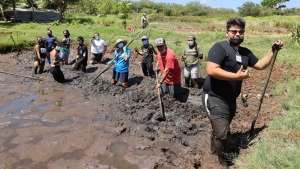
(82, 52)
(148, 53)
(226, 56)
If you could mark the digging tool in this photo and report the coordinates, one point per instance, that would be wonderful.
(21, 76)
(109, 65)
(111, 38)
(161, 107)
(264, 90)
(15, 44)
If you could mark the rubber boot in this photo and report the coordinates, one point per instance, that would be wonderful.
(41, 71)
(195, 83)
(219, 148)
(113, 81)
(35, 70)
(186, 81)
(125, 84)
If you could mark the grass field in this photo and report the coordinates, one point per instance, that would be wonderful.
(279, 148)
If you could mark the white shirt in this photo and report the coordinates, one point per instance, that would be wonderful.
(97, 46)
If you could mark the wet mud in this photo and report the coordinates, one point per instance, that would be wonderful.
(89, 123)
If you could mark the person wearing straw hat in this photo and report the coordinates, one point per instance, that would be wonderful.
(122, 55)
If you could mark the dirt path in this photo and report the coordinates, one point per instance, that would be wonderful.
(92, 124)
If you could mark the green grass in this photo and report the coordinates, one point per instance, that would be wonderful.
(280, 148)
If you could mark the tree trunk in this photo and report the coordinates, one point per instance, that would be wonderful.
(32, 14)
(14, 9)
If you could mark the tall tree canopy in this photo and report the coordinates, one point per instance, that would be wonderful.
(277, 4)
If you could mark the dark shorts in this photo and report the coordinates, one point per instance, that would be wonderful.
(97, 57)
(217, 108)
(123, 77)
(41, 61)
(173, 89)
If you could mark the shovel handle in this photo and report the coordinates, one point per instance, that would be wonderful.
(275, 52)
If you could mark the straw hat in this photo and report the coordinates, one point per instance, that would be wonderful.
(118, 41)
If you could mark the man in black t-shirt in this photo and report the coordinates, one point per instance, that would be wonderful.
(82, 54)
(147, 53)
(226, 68)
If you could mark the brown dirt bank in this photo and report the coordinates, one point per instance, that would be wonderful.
(92, 124)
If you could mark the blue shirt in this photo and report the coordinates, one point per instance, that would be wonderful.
(50, 41)
(121, 65)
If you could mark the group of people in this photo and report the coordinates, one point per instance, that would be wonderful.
(57, 53)
(227, 66)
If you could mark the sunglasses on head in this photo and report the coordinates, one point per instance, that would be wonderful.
(241, 32)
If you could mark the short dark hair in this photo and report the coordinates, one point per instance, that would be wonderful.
(80, 38)
(235, 21)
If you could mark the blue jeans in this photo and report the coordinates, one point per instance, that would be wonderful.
(64, 55)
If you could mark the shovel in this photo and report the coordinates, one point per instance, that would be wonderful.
(17, 47)
(161, 107)
(264, 90)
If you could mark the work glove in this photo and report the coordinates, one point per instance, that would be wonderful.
(111, 63)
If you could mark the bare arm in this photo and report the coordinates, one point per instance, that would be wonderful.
(264, 62)
(214, 70)
(37, 49)
(163, 77)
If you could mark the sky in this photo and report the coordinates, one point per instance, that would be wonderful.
(232, 4)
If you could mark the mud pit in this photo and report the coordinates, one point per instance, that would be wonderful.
(92, 124)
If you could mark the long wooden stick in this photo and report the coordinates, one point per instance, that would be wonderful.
(161, 107)
(21, 76)
(111, 38)
(264, 90)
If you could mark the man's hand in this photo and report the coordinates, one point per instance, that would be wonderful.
(126, 58)
(278, 44)
(242, 74)
(158, 85)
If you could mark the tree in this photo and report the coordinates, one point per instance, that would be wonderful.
(276, 4)
(249, 9)
(124, 8)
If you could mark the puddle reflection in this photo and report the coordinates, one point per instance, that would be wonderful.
(12, 113)
(119, 149)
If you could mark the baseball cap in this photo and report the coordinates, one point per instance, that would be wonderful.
(144, 37)
(160, 41)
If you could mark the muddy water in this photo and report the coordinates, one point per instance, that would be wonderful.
(89, 123)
